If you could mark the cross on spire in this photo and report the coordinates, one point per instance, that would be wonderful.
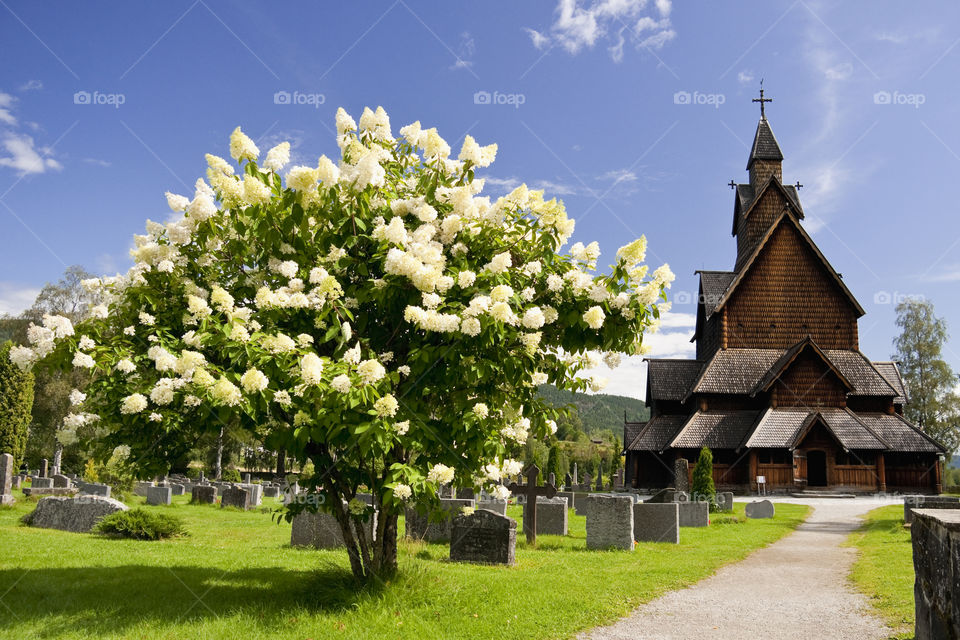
(762, 100)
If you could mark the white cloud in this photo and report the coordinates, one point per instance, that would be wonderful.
(619, 175)
(577, 27)
(465, 51)
(15, 298)
(841, 71)
(950, 273)
(673, 320)
(97, 161)
(552, 188)
(24, 157)
(31, 85)
(6, 104)
(745, 77)
(501, 184)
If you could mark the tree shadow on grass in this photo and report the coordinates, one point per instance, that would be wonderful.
(112, 599)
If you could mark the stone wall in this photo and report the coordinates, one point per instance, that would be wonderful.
(936, 563)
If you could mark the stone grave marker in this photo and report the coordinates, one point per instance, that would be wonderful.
(609, 522)
(656, 522)
(434, 527)
(176, 489)
(585, 486)
(95, 489)
(568, 482)
(44, 466)
(203, 494)
(141, 488)
(6, 479)
(61, 481)
(694, 514)
(78, 514)
(272, 491)
(551, 515)
(466, 493)
(16, 482)
(576, 480)
(681, 476)
(760, 509)
(927, 502)
(322, 531)
(531, 491)
(492, 504)
(235, 497)
(246, 478)
(552, 479)
(483, 537)
(725, 501)
(158, 495)
(600, 477)
(42, 483)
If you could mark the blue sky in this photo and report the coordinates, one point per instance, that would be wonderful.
(104, 109)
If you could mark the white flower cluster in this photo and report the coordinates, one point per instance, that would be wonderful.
(440, 474)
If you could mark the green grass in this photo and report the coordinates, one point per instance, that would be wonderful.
(884, 567)
(235, 576)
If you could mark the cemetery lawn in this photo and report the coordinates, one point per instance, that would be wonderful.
(235, 576)
(884, 567)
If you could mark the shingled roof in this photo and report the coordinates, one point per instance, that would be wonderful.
(630, 431)
(765, 146)
(713, 284)
(900, 434)
(783, 362)
(850, 431)
(715, 429)
(735, 371)
(670, 379)
(777, 428)
(866, 379)
(657, 433)
(746, 195)
(891, 373)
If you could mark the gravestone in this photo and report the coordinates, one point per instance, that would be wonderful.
(158, 495)
(580, 503)
(235, 497)
(271, 492)
(681, 475)
(61, 481)
(42, 483)
(200, 478)
(725, 501)
(551, 516)
(95, 489)
(483, 537)
(618, 480)
(6, 479)
(16, 482)
(322, 531)
(694, 514)
(466, 493)
(141, 488)
(203, 494)
(44, 466)
(609, 522)
(927, 502)
(760, 509)
(656, 522)
(497, 506)
(255, 492)
(246, 478)
(681, 496)
(585, 485)
(435, 527)
(530, 490)
(552, 479)
(600, 477)
(576, 479)
(176, 489)
(78, 514)
(568, 482)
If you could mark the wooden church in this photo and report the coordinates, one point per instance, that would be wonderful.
(779, 389)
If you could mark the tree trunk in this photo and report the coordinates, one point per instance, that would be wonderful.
(385, 554)
(57, 458)
(218, 459)
(281, 463)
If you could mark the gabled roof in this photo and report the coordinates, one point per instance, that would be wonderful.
(670, 379)
(844, 426)
(735, 371)
(630, 431)
(742, 272)
(900, 434)
(715, 429)
(657, 433)
(891, 373)
(791, 354)
(713, 284)
(866, 379)
(745, 199)
(765, 146)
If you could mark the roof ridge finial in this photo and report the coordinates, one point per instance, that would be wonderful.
(762, 100)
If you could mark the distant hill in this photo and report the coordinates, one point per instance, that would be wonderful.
(598, 412)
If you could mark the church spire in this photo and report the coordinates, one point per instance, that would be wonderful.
(765, 155)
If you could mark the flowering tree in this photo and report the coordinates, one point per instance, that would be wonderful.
(377, 316)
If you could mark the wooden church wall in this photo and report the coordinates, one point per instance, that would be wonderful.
(786, 296)
(808, 382)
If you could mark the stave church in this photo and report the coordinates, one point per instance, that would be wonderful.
(779, 390)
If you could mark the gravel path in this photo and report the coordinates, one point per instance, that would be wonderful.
(795, 588)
